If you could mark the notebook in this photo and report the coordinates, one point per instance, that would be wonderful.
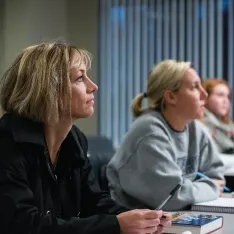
(195, 223)
(220, 205)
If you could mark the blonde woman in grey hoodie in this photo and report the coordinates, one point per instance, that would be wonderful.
(166, 145)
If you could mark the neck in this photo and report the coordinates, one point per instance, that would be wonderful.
(218, 117)
(174, 119)
(55, 135)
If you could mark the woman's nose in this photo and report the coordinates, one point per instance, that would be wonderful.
(227, 100)
(92, 87)
(204, 94)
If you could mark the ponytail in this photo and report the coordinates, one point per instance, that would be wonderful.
(137, 109)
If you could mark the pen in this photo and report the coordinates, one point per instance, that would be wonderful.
(160, 206)
(225, 188)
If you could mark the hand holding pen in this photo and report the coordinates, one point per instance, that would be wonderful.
(220, 183)
(166, 218)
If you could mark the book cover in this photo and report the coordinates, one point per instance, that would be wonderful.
(220, 205)
(195, 223)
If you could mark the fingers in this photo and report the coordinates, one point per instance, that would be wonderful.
(166, 216)
(159, 230)
(152, 214)
(143, 221)
(166, 219)
(220, 191)
(165, 223)
(149, 223)
(220, 182)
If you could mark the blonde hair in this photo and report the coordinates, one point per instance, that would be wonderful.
(37, 85)
(166, 75)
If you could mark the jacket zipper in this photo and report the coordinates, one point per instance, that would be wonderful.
(48, 162)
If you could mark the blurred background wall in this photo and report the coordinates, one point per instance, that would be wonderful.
(136, 34)
(126, 37)
(27, 22)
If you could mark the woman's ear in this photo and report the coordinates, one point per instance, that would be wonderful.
(170, 97)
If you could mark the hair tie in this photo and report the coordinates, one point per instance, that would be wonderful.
(145, 95)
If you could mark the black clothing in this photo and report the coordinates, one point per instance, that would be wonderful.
(36, 198)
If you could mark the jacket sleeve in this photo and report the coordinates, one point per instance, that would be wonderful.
(152, 167)
(18, 212)
(99, 201)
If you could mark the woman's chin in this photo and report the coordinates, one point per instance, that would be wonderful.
(86, 114)
(200, 115)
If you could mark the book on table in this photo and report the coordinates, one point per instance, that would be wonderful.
(220, 205)
(195, 223)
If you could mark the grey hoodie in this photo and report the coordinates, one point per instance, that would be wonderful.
(154, 158)
(222, 132)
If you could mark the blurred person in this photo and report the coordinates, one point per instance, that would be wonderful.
(166, 146)
(217, 120)
(217, 114)
(46, 180)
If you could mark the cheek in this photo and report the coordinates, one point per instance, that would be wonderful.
(192, 100)
(212, 103)
(215, 106)
(77, 101)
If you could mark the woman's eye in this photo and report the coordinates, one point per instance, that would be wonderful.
(80, 79)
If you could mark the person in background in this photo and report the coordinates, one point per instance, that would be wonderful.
(46, 181)
(166, 146)
(218, 121)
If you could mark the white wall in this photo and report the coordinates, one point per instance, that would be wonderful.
(27, 22)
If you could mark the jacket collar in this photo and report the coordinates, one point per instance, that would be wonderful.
(25, 130)
(22, 129)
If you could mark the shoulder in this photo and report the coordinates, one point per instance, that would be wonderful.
(150, 122)
(148, 127)
(14, 156)
(199, 130)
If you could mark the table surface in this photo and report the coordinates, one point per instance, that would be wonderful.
(228, 220)
(228, 223)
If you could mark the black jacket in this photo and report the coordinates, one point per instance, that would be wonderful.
(35, 198)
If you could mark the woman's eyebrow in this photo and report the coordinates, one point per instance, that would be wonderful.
(82, 70)
(196, 81)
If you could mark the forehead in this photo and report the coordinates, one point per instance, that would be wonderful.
(221, 88)
(78, 70)
(190, 76)
(77, 62)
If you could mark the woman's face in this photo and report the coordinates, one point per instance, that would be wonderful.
(190, 98)
(82, 103)
(219, 101)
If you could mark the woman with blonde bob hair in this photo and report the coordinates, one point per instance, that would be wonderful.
(46, 180)
(165, 146)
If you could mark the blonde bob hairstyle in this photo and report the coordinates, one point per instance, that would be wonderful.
(37, 85)
(165, 76)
